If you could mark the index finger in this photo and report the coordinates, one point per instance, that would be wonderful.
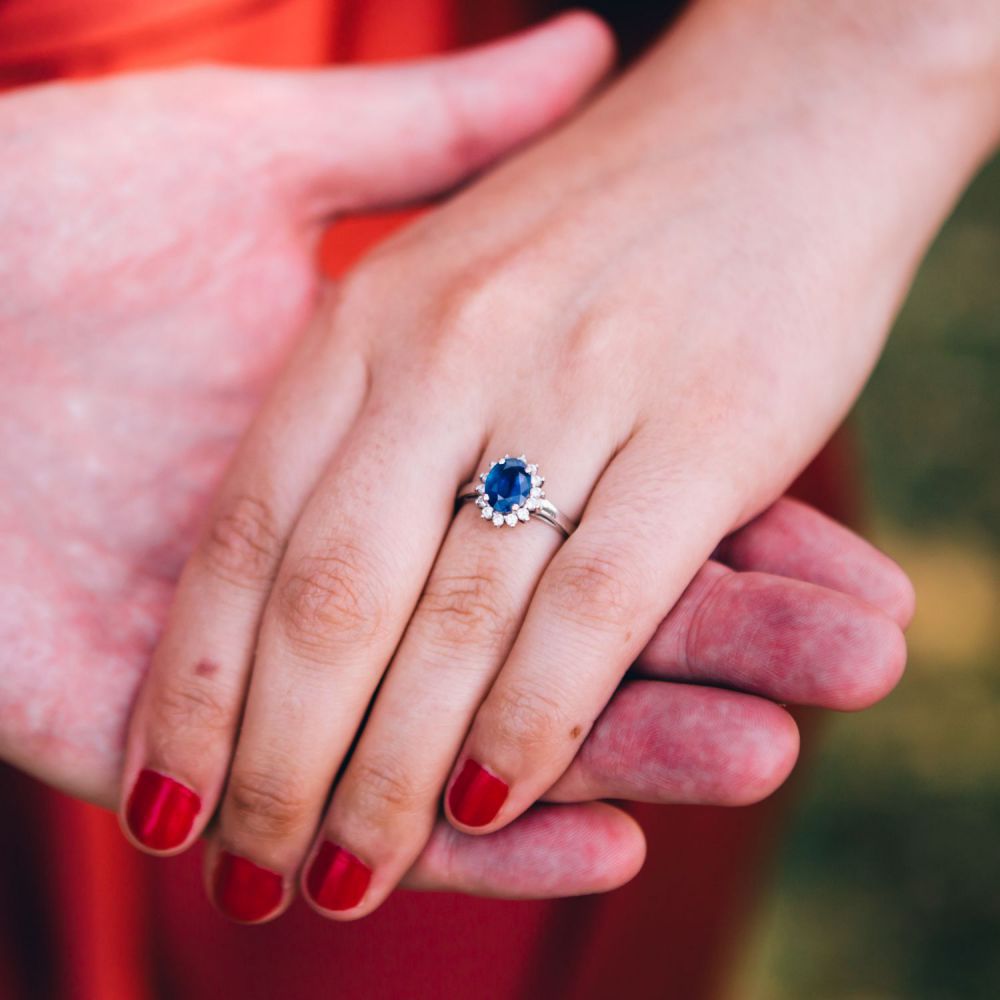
(795, 540)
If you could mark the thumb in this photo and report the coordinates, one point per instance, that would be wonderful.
(370, 137)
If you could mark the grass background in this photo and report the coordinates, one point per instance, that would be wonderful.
(888, 885)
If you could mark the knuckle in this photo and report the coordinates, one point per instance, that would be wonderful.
(184, 708)
(469, 302)
(596, 588)
(332, 600)
(480, 298)
(460, 607)
(467, 142)
(382, 785)
(485, 294)
(362, 290)
(591, 342)
(243, 545)
(527, 716)
(264, 805)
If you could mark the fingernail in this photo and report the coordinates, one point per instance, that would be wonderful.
(477, 795)
(337, 880)
(160, 811)
(245, 891)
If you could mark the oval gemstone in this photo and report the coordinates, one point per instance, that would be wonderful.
(508, 484)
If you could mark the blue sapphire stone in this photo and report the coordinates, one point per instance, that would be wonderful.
(508, 483)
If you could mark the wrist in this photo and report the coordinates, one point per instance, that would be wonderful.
(837, 144)
(890, 107)
(941, 57)
(932, 65)
(945, 45)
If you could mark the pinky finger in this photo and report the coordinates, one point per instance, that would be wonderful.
(795, 540)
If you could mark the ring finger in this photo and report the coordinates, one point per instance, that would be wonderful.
(645, 534)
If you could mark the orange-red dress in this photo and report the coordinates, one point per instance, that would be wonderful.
(83, 915)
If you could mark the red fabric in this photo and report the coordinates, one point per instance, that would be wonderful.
(84, 916)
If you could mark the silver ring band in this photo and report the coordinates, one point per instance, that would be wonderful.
(545, 511)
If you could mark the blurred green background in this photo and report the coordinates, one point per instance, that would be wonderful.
(888, 884)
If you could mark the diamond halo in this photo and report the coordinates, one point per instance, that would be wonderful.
(510, 491)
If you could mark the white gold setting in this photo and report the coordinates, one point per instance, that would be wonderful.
(515, 498)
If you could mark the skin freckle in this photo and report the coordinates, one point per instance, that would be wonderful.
(206, 668)
(574, 733)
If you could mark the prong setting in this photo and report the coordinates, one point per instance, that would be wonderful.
(509, 491)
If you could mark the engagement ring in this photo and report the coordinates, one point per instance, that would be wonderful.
(510, 492)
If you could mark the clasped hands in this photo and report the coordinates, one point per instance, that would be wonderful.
(343, 658)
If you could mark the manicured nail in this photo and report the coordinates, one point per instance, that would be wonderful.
(161, 811)
(477, 795)
(337, 880)
(245, 891)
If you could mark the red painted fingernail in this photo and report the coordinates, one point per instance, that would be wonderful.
(160, 811)
(477, 795)
(245, 891)
(337, 879)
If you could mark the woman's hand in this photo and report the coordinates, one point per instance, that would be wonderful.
(667, 323)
